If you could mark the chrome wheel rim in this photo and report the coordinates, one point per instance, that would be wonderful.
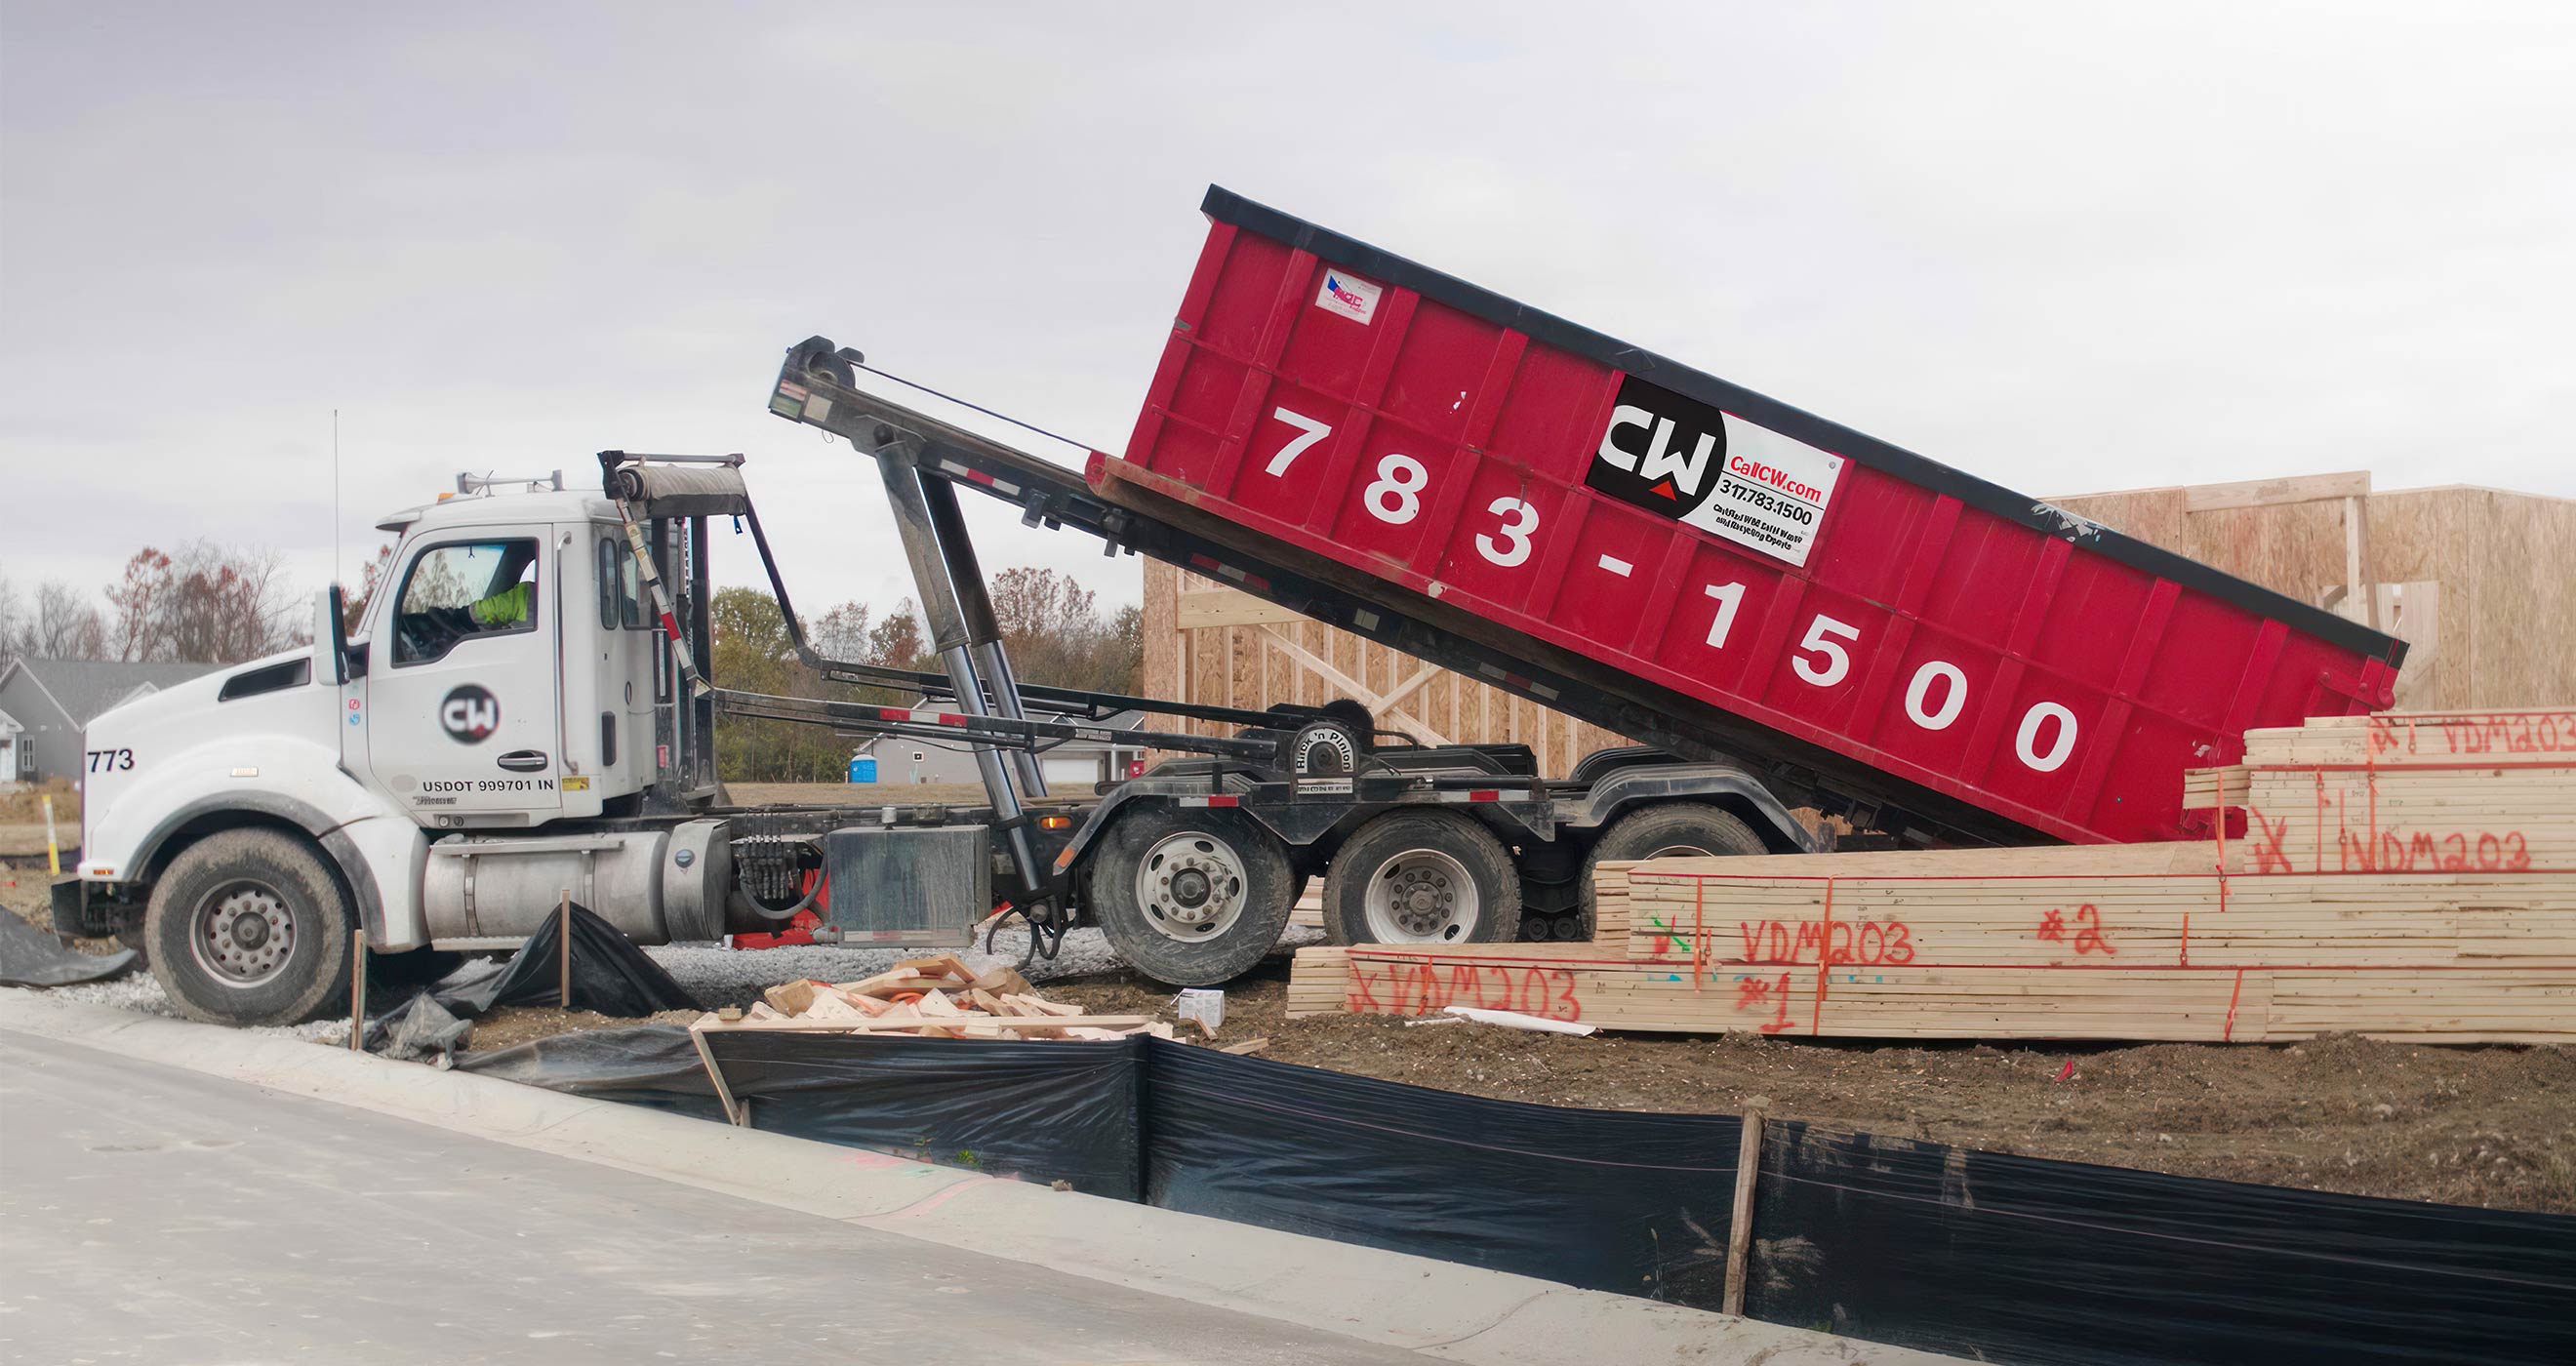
(1422, 896)
(1682, 851)
(242, 934)
(1191, 886)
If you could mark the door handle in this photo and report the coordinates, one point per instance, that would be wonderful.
(524, 761)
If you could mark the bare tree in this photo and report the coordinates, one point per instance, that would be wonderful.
(371, 578)
(843, 633)
(1123, 653)
(12, 622)
(140, 601)
(1033, 604)
(1053, 629)
(64, 625)
(896, 642)
(225, 606)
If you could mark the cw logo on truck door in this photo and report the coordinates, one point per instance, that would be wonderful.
(470, 713)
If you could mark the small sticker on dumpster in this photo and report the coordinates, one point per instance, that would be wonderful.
(1698, 464)
(1348, 295)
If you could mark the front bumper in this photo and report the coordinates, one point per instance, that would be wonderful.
(92, 910)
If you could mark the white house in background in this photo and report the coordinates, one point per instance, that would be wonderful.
(13, 754)
(52, 699)
(1073, 767)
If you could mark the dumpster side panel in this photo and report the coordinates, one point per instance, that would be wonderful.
(1910, 618)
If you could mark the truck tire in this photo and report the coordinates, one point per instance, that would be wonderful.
(249, 927)
(1422, 877)
(1192, 896)
(1671, 830)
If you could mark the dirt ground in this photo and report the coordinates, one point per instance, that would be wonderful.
(2491, 1126)
(24, 803)
(510, 1026)
(22, 820)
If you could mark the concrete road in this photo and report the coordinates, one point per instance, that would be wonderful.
(152, 1215)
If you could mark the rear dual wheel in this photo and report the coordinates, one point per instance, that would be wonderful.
(1422, 877)
(1672, 830)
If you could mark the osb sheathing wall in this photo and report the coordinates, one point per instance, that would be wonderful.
(2502, 617)
(2501, 629)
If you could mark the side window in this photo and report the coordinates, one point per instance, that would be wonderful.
(608, 558)
(461, 590)
(630, 587)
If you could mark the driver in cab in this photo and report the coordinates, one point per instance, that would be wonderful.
(504, 609)
(439, 609)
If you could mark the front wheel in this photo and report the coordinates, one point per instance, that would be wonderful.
(1422, 877)
(249, 927)
(1192, 896)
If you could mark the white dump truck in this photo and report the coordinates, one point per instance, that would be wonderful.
(524, 713)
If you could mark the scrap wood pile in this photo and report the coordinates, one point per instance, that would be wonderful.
(937, 997)
(2404, 876)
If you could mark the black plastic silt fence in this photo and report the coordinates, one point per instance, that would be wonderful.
(2007, 1259)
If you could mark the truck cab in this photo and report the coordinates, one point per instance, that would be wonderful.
(504, 677)
(505, 667)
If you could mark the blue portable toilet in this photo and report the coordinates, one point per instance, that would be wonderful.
(863, 768)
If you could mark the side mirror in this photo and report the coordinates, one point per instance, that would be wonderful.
(330, 637)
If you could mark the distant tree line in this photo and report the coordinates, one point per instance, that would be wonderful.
(1051, 625)
(202, 603)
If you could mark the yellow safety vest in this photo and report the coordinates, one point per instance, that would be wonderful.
(508, 607)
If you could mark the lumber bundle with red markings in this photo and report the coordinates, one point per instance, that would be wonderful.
(2429, 894)
(2402, 793)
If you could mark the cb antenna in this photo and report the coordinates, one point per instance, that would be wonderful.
(339, 567)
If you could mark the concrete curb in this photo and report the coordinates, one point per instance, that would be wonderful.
(1485, 1318)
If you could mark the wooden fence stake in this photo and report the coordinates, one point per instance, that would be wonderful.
(563, 945)
(734, 1114)
(357, 989)
(1739, 1228)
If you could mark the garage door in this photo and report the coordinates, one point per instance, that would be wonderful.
(1071, 773)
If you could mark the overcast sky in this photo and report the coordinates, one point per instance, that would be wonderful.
(2066, 247)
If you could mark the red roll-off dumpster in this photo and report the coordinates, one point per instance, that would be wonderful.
(1817, 583)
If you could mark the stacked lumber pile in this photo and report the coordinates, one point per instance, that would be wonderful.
(1610, 902)
(2404, 877)
(2428, 791)
(935, 998)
